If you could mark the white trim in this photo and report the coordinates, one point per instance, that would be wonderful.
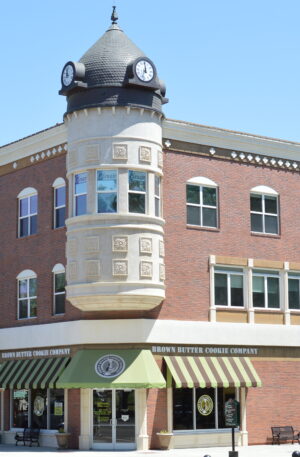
(202, 181)
(58, 268)
(59, 182)
(27, 192)
(26, 274)
(264, 190)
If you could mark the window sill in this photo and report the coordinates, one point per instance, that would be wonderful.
(199, 227)
(268, 310)
(27, 236)
(22, 319)
(204, 431)
(230, 308)
(266, 235)
(58, 228)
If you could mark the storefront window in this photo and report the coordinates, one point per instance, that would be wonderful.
(200, 409)
(30, 408)
(20, 408)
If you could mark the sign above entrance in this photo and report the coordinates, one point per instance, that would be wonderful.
(206, 350)
(109, 366)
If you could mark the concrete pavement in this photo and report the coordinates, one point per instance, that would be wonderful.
(283, 450)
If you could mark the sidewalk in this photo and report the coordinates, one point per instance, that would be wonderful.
(284, 450)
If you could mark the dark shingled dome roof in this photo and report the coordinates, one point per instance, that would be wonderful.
(106, 62)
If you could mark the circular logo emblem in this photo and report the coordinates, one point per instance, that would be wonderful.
(39, 405)
(205, 405)
(109, 366)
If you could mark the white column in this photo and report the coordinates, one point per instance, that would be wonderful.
(251, 317)
(85, 437)
(212, 307)
(243, 426)
(142, 438)
(285, 283)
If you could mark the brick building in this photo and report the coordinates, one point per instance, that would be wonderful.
(177, 243)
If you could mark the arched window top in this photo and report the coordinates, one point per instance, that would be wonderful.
(26, 274)
(202, 181)
(264, 190)
(59, 182)
(27, 192)
(58, 268)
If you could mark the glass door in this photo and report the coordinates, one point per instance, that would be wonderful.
(113, 419)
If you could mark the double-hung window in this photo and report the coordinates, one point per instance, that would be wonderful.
(107, 188)
(80, 194)
(59, 216)
(28, 201)
(27, 294)
(137, 191)
(294, 291)
(157, 199)
(59, 283)
(264, 211)
(202, 202)
(229, 287)
(266, 290)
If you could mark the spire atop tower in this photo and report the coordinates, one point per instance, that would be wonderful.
(114, 16)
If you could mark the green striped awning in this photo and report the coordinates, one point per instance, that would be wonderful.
(211, 372)
(31, 373)
(112, 368)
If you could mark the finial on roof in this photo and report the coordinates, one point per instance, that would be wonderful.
(114, 16)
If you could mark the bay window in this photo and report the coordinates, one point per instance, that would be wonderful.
(137, 191)
(80, 194)
(107, 188)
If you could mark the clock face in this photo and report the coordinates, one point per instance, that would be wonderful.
(144, 70)
(68, 75)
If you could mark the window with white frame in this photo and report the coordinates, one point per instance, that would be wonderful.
(229, 287)
(264, 210)
(157, 199)
(266, 289)
(28, 210)
(59, 291)
(80, 194)
(27, 294)
(198, 409)
(107, 191)
(37, 408)
(294, 291)
(202, 202)
(137, 191)
(59, 195)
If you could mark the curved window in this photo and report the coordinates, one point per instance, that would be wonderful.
(27, 294)
(80, 194)
(137, 191)
(107, 188)
(59, 216)
(202, 202)
(59, 292)
(264, 210)
(157, 197)
(28, 209)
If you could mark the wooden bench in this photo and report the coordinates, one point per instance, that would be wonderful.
(283, 434)
(29, 435)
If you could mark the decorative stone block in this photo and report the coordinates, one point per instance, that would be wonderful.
(72, 158)
(162, 272)
(145, 154)
(146, 269)
(161, 248)
(92, 153)
(92, 270)
(160, 160)
(120, 152)
(72, 271)
(72, 247)
(120, 268)
(145, 245)
(92, 244)
(120, 243)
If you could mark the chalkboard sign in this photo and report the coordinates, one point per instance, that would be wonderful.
(232, 413)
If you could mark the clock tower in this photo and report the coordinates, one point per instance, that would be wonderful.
(115, 236)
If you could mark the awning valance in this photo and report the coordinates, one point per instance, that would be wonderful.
(92, 368)
(212, 372)
(31, 373)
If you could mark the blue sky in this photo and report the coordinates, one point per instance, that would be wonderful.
(231, 64)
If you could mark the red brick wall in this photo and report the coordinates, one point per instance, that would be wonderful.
(277, 403)
(188, 249)
(74, 417)
(157, 419)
